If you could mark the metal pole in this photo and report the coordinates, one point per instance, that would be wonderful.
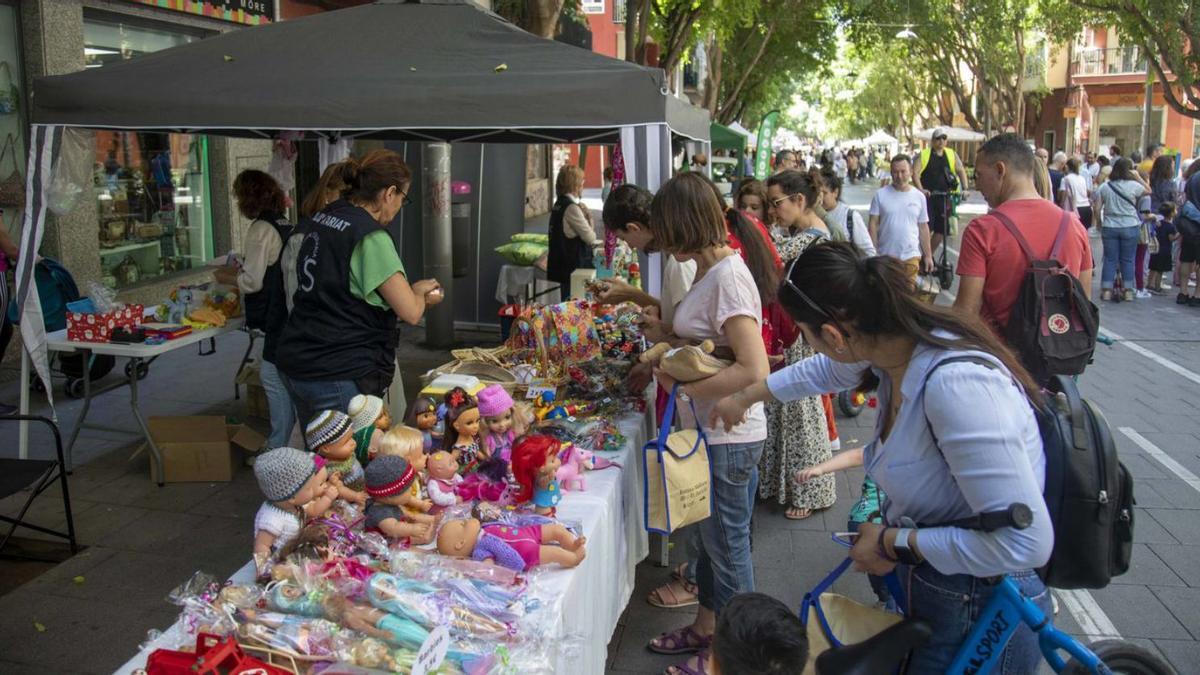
(1147, 110)
(435, 216)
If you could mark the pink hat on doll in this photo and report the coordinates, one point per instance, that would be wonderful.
(493, 400)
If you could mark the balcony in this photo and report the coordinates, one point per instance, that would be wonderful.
(1116, 61)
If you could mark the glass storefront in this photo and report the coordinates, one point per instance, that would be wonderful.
(152, 189)
(1123, 127)
(12, 108)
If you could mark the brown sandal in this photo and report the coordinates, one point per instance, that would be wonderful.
(677, 593)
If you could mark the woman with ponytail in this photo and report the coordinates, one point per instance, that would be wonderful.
(340, 339)
(955, 437)
(797, 431)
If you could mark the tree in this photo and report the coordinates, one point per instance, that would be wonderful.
(539, 17)
(1167, 31)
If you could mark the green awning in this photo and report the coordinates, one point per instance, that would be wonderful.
(724, 138)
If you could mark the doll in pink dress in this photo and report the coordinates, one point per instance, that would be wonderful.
(496, 407)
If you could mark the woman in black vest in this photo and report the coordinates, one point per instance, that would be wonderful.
(340, 339)
(572, 237)
(260, 281)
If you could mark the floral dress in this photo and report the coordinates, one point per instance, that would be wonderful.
(797, 434)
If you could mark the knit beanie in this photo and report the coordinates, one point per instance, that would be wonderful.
(364, 410)
(328, 425)
(389, 475)
(282, 472)
(493, 400)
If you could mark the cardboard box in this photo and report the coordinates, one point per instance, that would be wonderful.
(200, 448)
(98, 326)
(256, 397)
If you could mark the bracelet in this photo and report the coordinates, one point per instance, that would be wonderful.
(882, 549)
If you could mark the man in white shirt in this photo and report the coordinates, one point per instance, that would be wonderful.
(1092, 166)
(899, 222)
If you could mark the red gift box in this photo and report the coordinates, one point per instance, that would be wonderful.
(98, 326)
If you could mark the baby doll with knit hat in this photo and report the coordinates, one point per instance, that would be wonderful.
(496, 408)
(329, 435)
(295, 485)
(407, 442)
(389, 479)
(368, 420)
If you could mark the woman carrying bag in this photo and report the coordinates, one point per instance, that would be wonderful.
(954, 438)
(723, 305)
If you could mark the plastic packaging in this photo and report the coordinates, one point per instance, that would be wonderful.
(103, 297)
(71, 174)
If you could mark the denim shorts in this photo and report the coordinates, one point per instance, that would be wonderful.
(951, 603)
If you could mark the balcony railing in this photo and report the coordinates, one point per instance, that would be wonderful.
(1035, 66)
(1115, 61)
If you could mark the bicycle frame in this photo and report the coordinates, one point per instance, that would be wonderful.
(1004, 613)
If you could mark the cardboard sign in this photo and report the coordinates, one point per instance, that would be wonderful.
(433, 651)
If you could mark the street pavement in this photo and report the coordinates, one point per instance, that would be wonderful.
(1148, 386)
(88, 615)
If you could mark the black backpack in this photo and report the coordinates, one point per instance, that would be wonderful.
(1089, 492)
(1053, 324)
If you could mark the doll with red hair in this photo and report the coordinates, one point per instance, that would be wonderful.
(534, 465)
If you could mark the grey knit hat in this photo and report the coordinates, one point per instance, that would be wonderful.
(388, 475)
(326, 426)
(283, 471)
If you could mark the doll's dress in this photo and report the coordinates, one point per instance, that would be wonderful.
(284, 524)
(517, 548)
(547, 497)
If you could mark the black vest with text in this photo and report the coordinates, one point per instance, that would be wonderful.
(331, 334)
(565, 255)
(266, 310)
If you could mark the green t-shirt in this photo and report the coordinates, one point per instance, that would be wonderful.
(373, 262)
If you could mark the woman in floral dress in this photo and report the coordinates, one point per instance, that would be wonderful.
(797, 433)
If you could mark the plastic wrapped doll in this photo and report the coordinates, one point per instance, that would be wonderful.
(406, 442)
(295, 485)
(496, 407)
(368, 419)
(462, 429)
(424, 418)
(535, 465)
(329, 435)
(389, 479)
(444, 479)
(517, 548)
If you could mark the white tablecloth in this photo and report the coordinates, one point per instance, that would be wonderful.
(515, 279)
(591, 597)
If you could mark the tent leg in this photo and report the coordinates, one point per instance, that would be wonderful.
(23, 433)
(439, 321)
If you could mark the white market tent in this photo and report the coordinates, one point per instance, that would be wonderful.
(954, 135)
(880, 137)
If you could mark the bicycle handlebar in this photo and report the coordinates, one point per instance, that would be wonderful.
(1017, 515)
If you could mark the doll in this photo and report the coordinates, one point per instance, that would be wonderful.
(424, 418)
(535, 464)
(368, 419)
(517, 548)
(496, 408)
(330, 436)
(407, 442)
(462, 429)
(389, 481)
(523, 419)
(295, 484)
(444, 478)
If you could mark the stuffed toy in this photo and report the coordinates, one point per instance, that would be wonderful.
(685, 364)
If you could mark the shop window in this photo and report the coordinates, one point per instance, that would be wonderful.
(12, 109)
(152, 189)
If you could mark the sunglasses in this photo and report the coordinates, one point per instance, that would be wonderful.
(406, 200)
(812, 304)
(777, 202)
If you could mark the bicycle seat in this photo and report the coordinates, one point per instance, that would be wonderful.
(879, 654)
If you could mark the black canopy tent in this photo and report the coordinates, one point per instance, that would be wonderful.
(417, 70)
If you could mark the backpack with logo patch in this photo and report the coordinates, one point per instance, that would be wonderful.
(1053, 325)
(1088, 491)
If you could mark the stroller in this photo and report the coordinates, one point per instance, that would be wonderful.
(56, 287)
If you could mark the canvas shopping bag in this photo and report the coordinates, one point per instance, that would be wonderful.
(676, 477)
(832, 619)
(12, 188)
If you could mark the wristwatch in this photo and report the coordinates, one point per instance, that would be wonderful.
(903, 553)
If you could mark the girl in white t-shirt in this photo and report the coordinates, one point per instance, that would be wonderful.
(723, 305)
(1076, 192)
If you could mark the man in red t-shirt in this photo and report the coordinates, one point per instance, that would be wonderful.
(992, 265)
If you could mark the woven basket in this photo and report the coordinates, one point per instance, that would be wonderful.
(549, 371)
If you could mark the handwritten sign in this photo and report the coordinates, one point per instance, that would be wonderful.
(433, 651)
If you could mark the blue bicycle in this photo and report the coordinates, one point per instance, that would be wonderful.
(983, 648)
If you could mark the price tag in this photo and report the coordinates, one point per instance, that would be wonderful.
(433, 651)
(536, 390)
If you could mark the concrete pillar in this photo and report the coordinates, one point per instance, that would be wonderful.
(436, 242)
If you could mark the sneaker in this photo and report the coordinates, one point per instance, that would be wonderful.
(1181, 299)
(1142, 294)
(1129, 295)
(1106, 295)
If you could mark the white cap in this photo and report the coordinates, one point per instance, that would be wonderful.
(939, 131)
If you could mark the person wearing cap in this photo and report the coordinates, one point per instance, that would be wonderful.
(295, 485)
(389, 479)
(939, 170)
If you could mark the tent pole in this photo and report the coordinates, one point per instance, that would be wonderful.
(436, 241)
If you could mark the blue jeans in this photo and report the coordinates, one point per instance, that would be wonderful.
(283, 414)
(313, 396)
(693, 545)
(725, 567)
(952, 603)
(1120, 244)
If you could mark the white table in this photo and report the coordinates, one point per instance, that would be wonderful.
(588, 599)
(527, 282)
(140, 356)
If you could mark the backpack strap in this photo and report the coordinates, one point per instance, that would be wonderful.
(924, 383)
(1059, 238)
(850, 224)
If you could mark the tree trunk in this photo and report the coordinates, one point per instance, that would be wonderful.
(541, 17)
(712, 79)
(632, 12)
(643, 32)
(747, 70)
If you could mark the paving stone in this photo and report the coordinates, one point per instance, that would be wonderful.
(155, 531)
(96, 525)
(1147, 496)
(1137, 612)
(1176, 493)
(1183, 655)
(1183, 525)
(1147, 530)
(1184, 561)
(1184, 603)
(1147, 569)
